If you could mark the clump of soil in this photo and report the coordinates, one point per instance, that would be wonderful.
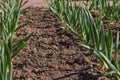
(53, 52)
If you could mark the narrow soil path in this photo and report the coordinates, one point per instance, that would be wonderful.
(36, 3)
(53, 53)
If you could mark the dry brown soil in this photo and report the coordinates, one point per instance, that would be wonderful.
(36, 3)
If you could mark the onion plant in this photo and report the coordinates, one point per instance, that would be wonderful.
(91, 31)
(10, 13)
(72, 15)
(108, 9)
(58, 7)
(108, 53)
(102, 45)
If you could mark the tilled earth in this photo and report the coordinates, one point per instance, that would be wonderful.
(53, 52)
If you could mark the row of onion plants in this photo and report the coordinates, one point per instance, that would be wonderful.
(10, 11)
(91, 30)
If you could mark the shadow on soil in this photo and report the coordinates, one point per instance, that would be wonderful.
(81, 74)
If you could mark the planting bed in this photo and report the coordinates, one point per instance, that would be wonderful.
(53, 52)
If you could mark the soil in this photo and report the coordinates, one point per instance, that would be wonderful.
(36, 3)
(53, 52)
